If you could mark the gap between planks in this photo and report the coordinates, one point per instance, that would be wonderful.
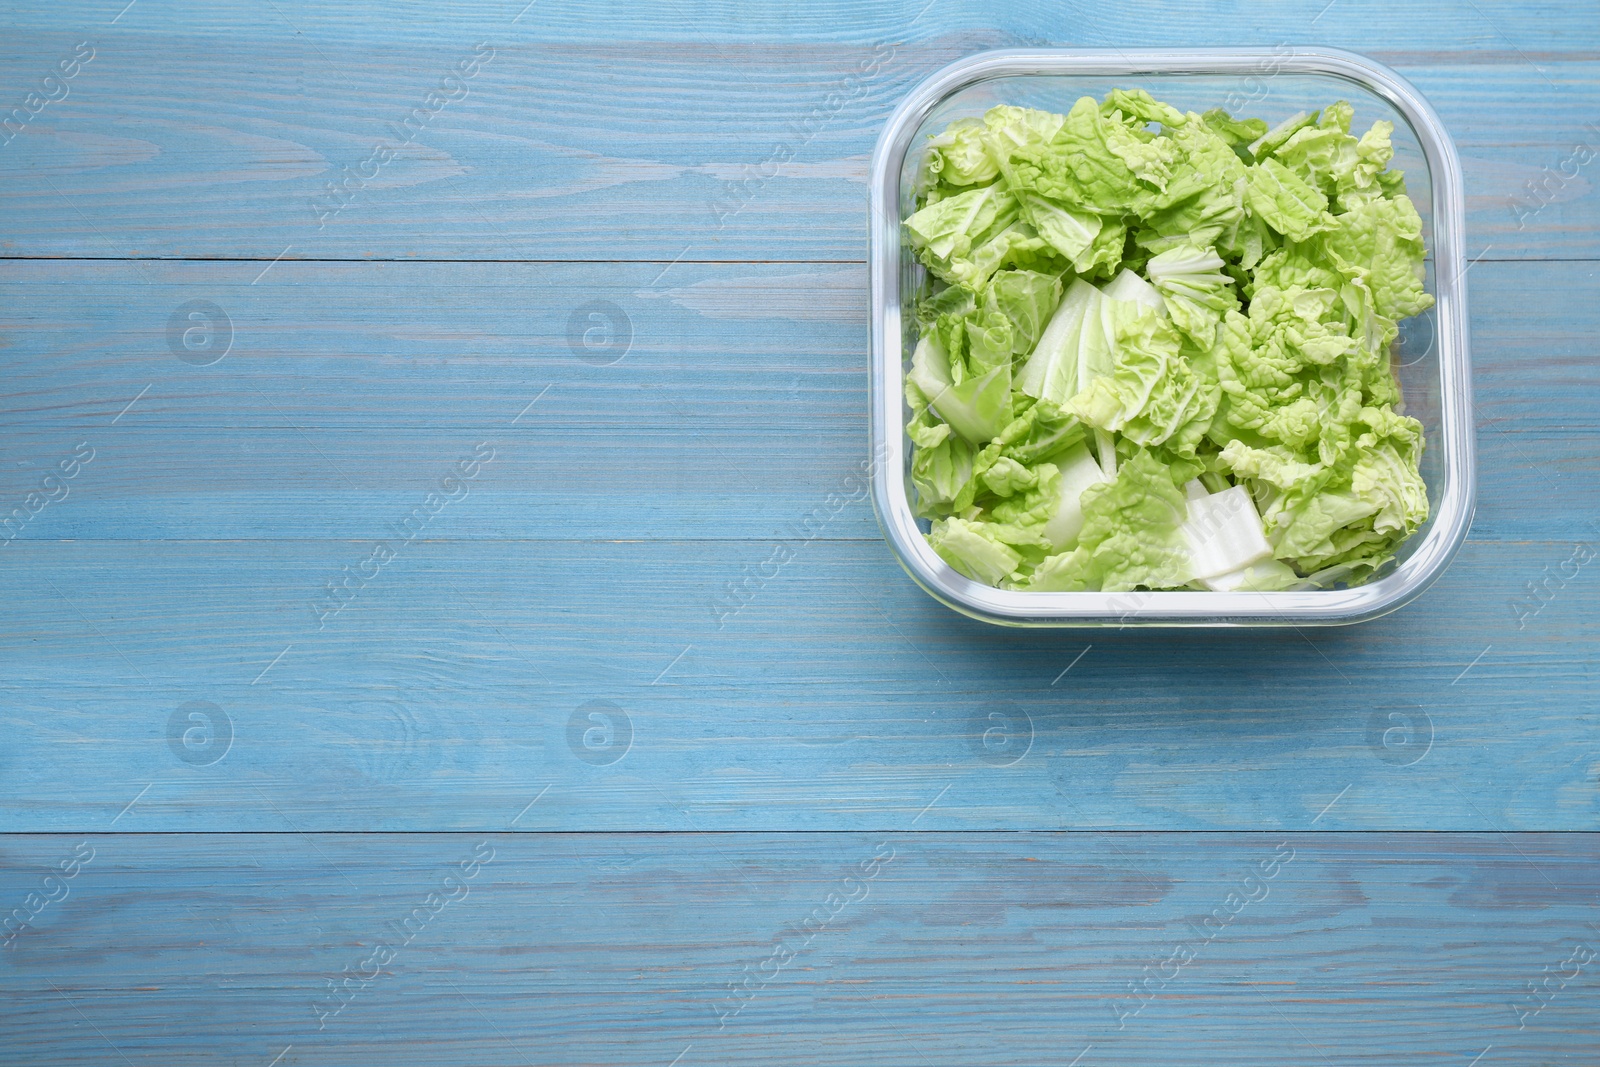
(578, 262)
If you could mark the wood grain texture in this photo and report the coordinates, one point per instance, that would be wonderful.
(959, 949)
(210, 134)
(552, 667)
(352, 388)
(841, 697)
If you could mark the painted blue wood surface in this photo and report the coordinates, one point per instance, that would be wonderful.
(169, 695)
(572, 144)
(907, 950)
(738, 406)
(842, 697)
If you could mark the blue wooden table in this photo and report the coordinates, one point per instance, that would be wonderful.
(403, 407)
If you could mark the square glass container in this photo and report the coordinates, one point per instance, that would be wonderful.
(1431, 357)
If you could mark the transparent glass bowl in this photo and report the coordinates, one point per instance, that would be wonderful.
(1431, 356)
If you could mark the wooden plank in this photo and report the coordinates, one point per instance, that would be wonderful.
(623, 147)
(1540, 29)
(898, 949)
(458, 684)
(351, 390)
